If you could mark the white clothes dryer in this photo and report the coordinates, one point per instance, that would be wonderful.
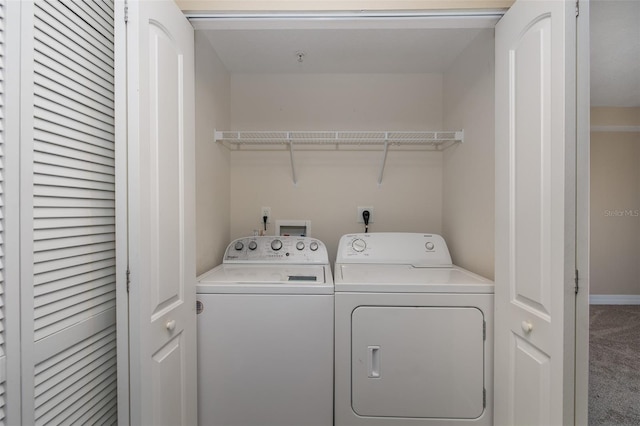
(265, 335)
(413, 334)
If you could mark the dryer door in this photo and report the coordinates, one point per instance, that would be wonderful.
(418, 362)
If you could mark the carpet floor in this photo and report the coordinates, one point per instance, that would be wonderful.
(614, 365)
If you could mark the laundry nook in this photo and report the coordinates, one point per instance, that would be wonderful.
(295, 212)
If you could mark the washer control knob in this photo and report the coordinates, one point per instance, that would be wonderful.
(239, 246)
(253, 245)
(359, 245)
(430, 246)
(313, 246)
(300, 245)
(276, 244)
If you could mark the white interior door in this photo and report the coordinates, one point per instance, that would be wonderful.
(535, 214)
(161, 151)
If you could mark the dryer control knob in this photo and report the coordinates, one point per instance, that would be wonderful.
(276, 244)
(239, 246)
(430, 246)
(253, 245)
(313, 246)
(359, 245)
(300, 245)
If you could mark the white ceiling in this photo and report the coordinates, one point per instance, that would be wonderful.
(615, 53)
(389, 44)
(340, 50)
(417, 45)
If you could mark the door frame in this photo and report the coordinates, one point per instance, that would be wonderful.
(583, 148)
(122, 229)
(582, 204)
(11, 186)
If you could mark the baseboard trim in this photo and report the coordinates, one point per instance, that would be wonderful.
(614, 299)
(632, 129)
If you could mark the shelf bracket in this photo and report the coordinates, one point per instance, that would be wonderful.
(384, 157)
(293, 163)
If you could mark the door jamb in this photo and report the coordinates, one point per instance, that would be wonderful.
(583, 143)
(122, 233)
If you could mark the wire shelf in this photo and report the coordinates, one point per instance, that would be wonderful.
(434, 139)
(431, 140)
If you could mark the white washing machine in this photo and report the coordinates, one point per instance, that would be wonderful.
(413, 334)
(265, 335)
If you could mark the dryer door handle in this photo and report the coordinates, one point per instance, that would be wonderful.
(373, 362)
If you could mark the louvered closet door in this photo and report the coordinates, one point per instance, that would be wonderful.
(69, 304)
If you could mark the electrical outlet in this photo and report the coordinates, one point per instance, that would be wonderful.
(360, 210)
(265, 211)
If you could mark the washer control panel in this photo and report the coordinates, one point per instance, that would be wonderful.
(394, 248)
(284, 249)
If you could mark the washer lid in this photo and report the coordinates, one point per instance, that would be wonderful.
(408, 279)
(267, 279)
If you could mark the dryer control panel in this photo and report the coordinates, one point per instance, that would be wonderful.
(281, 249)
(394, 248)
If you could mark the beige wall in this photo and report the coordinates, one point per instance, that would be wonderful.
(212, 160)
(331, 186)
(615, 203)
(468, 181)
(333, 183)
(336, 101)
(615, 116)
